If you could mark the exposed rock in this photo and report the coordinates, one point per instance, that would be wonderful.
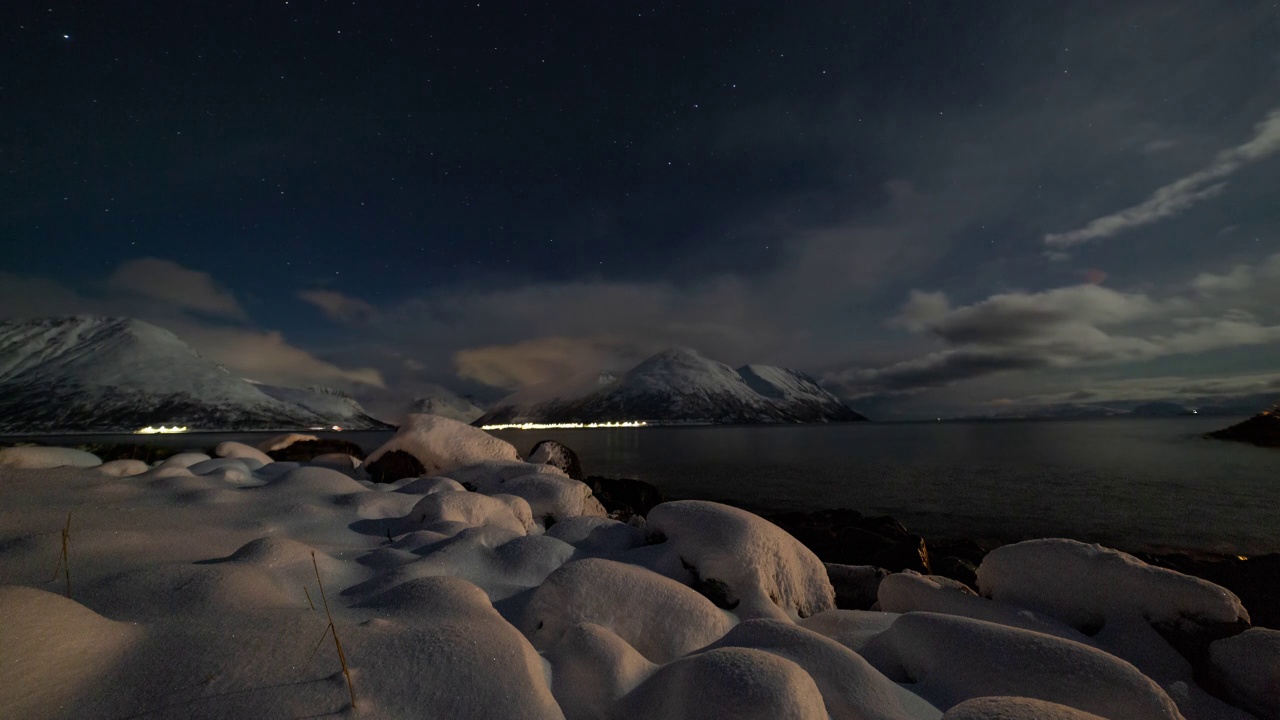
(846, 537)
(623, 497)
(308, 450)
(856, 586)
(953, 568)
(550, 452)
(394, 465)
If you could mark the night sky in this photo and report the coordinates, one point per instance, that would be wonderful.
(946, 207)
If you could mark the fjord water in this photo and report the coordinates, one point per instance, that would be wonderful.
(1131, 483)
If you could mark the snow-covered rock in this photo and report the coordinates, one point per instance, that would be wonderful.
(41, 458)
(850, 687)
(550, 452)
(471, 510)
(680, 386)
(1014, 708)
(659, 617)
(442, 445)
(280, 442)
(911, 592)
(738, 683)
(765, 571)
(554, 498)
(598, 535)
(851, 628)
(1083, 585)
(591, 667)
(123, 468)
(489, 477)
(1248, 666)
(241, 451)
(950, 659)
(427, 485)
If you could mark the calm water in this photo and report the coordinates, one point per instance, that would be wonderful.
(1136, 484)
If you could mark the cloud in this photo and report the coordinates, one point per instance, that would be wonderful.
(1177, 196)
(540, 361)
(339, 307)
(168, 282)
(1264, 276)
(1167, 387)
(266, 357)
(1081, 325)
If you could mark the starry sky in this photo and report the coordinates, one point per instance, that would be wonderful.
(933, 207)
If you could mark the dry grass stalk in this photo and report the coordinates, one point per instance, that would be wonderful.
(308, 592)
(64, 560)
(342, 657)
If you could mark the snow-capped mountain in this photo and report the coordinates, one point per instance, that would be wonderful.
(681, 386)
(100, 374)
(335, 406)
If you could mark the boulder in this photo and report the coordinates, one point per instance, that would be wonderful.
(394, 465)
(845, 537)
(308, 450)
(623, 497)
(1247, 668)
(855, 585)
(550, 452)
(442, 445)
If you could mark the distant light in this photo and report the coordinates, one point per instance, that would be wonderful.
(162, 430)
(337, 428)
(564, 426)
(66, 37)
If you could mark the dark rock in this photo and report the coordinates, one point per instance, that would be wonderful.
(1262, 429)
(845, 537)
(717, 591)
(623, 497)
(131, 451)
(856, 586)
(306, 450)
(956, 569)
(1192, 640)
(394, 465)
(550, 452)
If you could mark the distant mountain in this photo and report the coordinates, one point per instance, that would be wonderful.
(678, 386)
(1161, 409)
(1238, 407)
(1262, 429)
(85, 373)
(448, 405)
(1061, 411)
(335, 406)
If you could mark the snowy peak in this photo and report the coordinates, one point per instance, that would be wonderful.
(104, 374)
(682, 386)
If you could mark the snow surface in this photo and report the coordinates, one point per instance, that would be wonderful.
(280, 442)
(949, 659)
(194, 594)
(1083, 585)
(241, 451)
(36, 458)
(1014, 708)
(1249, 666)
(441, 444)
(770, 573)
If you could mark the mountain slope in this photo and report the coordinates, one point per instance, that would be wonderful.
(100, 374)
(335, 406)
(447, 405)
(681, 386)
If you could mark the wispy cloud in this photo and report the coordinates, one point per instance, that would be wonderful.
(337, 306)
(168, 282)
(1181, 194)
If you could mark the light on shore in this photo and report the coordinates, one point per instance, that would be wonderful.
(565, 426)
(162, 430)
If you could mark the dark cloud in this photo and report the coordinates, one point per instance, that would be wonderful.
(167, 282)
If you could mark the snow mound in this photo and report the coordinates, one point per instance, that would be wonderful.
(184, 460)
(1248, 666)
(593, 534)
(851, 628)
(1014, 708)
(316, 481)
(737, 683)
(241, 451)
(441, 444)
(851, 688)
(1083, 585)
(123, 468)
(591, 668)
(554, 497)
(281, 442)
(463, 647)
(427, 485)
(489, 477)
(56, 652)
(341, 462)
(765, 570)
(952, 659)
(498, 561)
(909, 591)
(43, 458)
(470, 509)
(659, 617)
